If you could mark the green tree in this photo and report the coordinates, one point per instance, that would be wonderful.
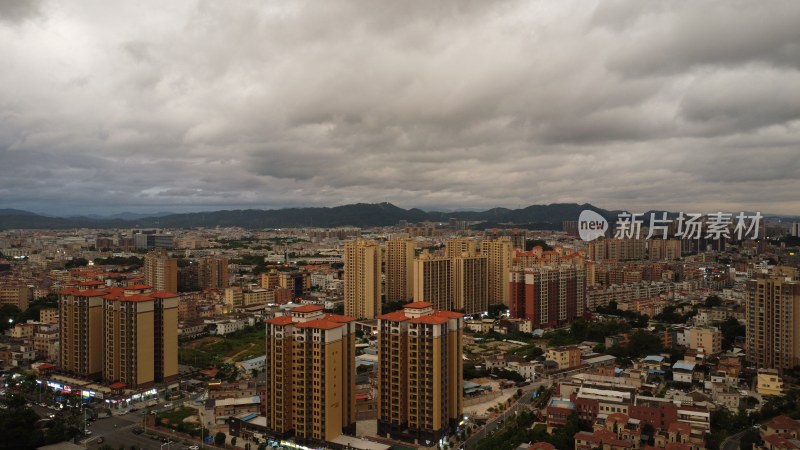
(713, 300)
(731, 329)
(496, 310)
(76, 262)
(219, 438)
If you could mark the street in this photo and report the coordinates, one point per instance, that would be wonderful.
(733, 441)
(495, 424)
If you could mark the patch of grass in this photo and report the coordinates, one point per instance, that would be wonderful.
(207, 353)
(177, 415)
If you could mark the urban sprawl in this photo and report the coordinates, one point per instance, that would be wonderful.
(419, 335)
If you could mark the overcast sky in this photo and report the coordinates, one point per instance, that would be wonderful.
(109, 106)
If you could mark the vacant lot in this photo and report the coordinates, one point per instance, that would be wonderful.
(214, 350)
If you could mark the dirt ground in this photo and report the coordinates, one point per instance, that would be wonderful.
(205, 340)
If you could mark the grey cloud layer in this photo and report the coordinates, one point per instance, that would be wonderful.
(201, 105)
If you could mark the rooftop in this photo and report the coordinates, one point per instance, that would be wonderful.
(281, 320)
(418, 305)
(307, 308)
(320, 324)
(396, 316)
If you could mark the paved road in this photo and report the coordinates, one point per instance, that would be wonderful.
(733, 441)
(495, 424)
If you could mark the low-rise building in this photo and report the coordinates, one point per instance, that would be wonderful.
(565, 357)
(769, 382)
(781, 426)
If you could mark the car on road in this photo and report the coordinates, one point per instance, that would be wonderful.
(168, 406)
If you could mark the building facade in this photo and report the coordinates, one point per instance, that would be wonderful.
(470, 284)
(433, 281)
(499, 254)
(362, 279)
(119, 335)
(310, 375)
(161, 272)
(419, 373)
(399, 269)
(772, 312)
(548, 296)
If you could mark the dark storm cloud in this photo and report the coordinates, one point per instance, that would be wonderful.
(17, 11)
(203, 104)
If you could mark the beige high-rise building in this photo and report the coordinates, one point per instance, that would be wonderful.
(399, 263)
(118, 335)
(362, 279)
(663, 249)
(772, 315)
(81, 326)
(617, 249)
(310, 374)
(420, 373)
(161, 271)
(166, 336)
(470, 284)
(461, 246)
(433, 281)
(213, 273)
(129, 339)
(453, 284)
(499, 254)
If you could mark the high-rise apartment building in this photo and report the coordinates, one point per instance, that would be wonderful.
(499, 254)
(419, 373)
(362, 279)
(663, 249)
(460, 246)
(161, 272)
(548, 296)
(213, 273)
(433, 281)
(399, 266)
(81, 326)
(298, 282)
(310, 375)
(125, 335)
(458, 283)
(617, 249)
(470, 284)
(772, 315)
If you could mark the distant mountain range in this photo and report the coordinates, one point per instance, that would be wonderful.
(360, 215)
(541, 217)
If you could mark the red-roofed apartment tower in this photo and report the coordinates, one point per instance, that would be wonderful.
(419, 373)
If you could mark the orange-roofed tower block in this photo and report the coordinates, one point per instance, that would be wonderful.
(123, 335)
(419, 373)
(310, 374)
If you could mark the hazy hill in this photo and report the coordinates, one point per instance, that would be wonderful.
(360, 215)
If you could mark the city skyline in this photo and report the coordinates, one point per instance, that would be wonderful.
(197, 106)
